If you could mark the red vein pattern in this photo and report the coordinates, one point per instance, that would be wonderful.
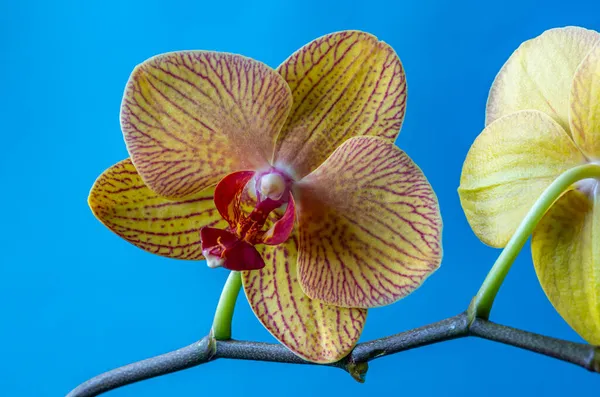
(344, 85)
(314, 330)
(190, 118)
(584, 112)
(121, 201)
(370, 226)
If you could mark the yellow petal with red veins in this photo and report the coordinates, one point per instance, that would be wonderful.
(508, 167)
(585, 105)
(311, 329)
(344, 85)
(566, 254)
(190, 118)
(121, 201)
(370, 226)
(538, 74)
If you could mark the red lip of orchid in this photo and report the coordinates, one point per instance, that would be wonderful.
(223, 248)
(232, 248)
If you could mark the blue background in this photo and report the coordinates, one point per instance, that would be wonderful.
(75, 300)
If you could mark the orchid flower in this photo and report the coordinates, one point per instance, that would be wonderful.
(290, 176)
(543, 120)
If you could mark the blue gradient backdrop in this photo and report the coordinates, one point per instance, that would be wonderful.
(75, 300)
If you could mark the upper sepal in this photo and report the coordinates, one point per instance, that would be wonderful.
(344, 84)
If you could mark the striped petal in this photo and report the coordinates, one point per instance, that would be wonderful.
(370, 226)
(313, 330)
(538, 74)
(190, 118)
(508, 167)
(344, 84)
(121, 201)
(566, 254)
(584, 114)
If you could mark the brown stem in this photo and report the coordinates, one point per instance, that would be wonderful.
(208, 349)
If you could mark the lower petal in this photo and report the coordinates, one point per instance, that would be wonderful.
(370, 226)
(566, 255)
(311, 329)
(124, 204)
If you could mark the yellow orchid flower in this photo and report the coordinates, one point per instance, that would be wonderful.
(542, 121)
(311, 141)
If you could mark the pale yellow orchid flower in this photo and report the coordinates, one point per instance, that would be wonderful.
(543, 119)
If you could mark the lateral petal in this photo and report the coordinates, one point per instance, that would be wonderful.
(370, 226)
(121, 201)
(566, 254)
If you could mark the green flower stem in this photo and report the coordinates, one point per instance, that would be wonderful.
(482, 303)
(221, 328)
